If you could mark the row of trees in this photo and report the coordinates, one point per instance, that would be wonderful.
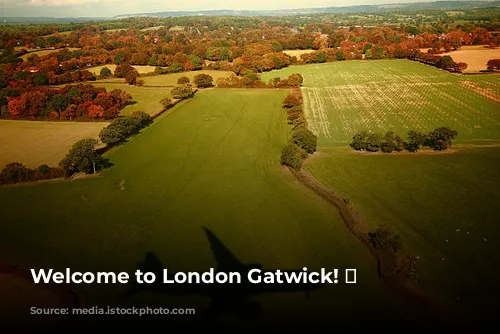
(439, 139)
(302, 142)
(16, 172)
(83, 157)
(444, 62)
(124, 127)
(249, 79)
(250, 48)
(81, 101)
(185, 90)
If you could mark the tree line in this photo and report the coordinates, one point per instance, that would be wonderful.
(84, 155)
(439, 139)
(248, 46)
(302, 142)
(72, 102)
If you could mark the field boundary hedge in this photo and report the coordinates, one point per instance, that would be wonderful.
(393, 267)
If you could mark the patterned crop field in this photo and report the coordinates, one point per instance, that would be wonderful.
(343, 98)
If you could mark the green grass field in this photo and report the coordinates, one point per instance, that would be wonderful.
(145, 99)
(33, 143)
(141, 69)
(44, 53)
(171, 79)
(343, 98)
(211, 161)
(168, 80)
(445, 205)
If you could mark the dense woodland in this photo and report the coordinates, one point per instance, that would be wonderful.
(245, 45)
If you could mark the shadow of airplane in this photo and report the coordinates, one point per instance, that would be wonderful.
(225, 298)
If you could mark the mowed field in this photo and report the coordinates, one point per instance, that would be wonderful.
(145, 99)
(167, 80)
(343, 98)
(141, 69)
(44, 52)
(476, 57)
(33, 143)
(444, 204)
(211, 161)
(297, 53)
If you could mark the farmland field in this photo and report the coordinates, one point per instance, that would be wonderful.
(297, 53)
(146, 99)
(44, 52)
(152, 28)
(141, 69)
(33, 143)
(171, 79)
(168, 80)
(343, 98)
(476, 57)
(211, 161)
(445, 205)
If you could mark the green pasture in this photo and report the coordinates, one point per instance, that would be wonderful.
(445, 206)
(343, 98)
(33, 143)
(211, 161)
(171, 79)
(145, 99)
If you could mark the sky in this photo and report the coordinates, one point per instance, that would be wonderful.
(109, 8)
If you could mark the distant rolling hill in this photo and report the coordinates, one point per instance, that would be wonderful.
(324, 10)
(279, 12)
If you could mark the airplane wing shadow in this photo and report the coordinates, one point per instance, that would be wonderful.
(232, 299)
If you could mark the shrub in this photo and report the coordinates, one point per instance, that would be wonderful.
(122, 70)
(373, 142)
(182, 92)
(131, 77)
(411, 147)
(386, 239)
(359, 141)
(17, 173)
(105, 73)
(398, 144)
(291, 101)
(183, 81)
(203, 81)
(305, 139)
(111, 135)
(122, 128)
(166, 102)
(387, 147)
(43, 170)
(493, 65)
(295, 80)
(143, 119)
(415, 140)
(441, 138)
(118, 130)
(291, 156)
(14, 172)
(388, 143)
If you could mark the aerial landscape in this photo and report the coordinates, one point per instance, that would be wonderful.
(273, 137)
